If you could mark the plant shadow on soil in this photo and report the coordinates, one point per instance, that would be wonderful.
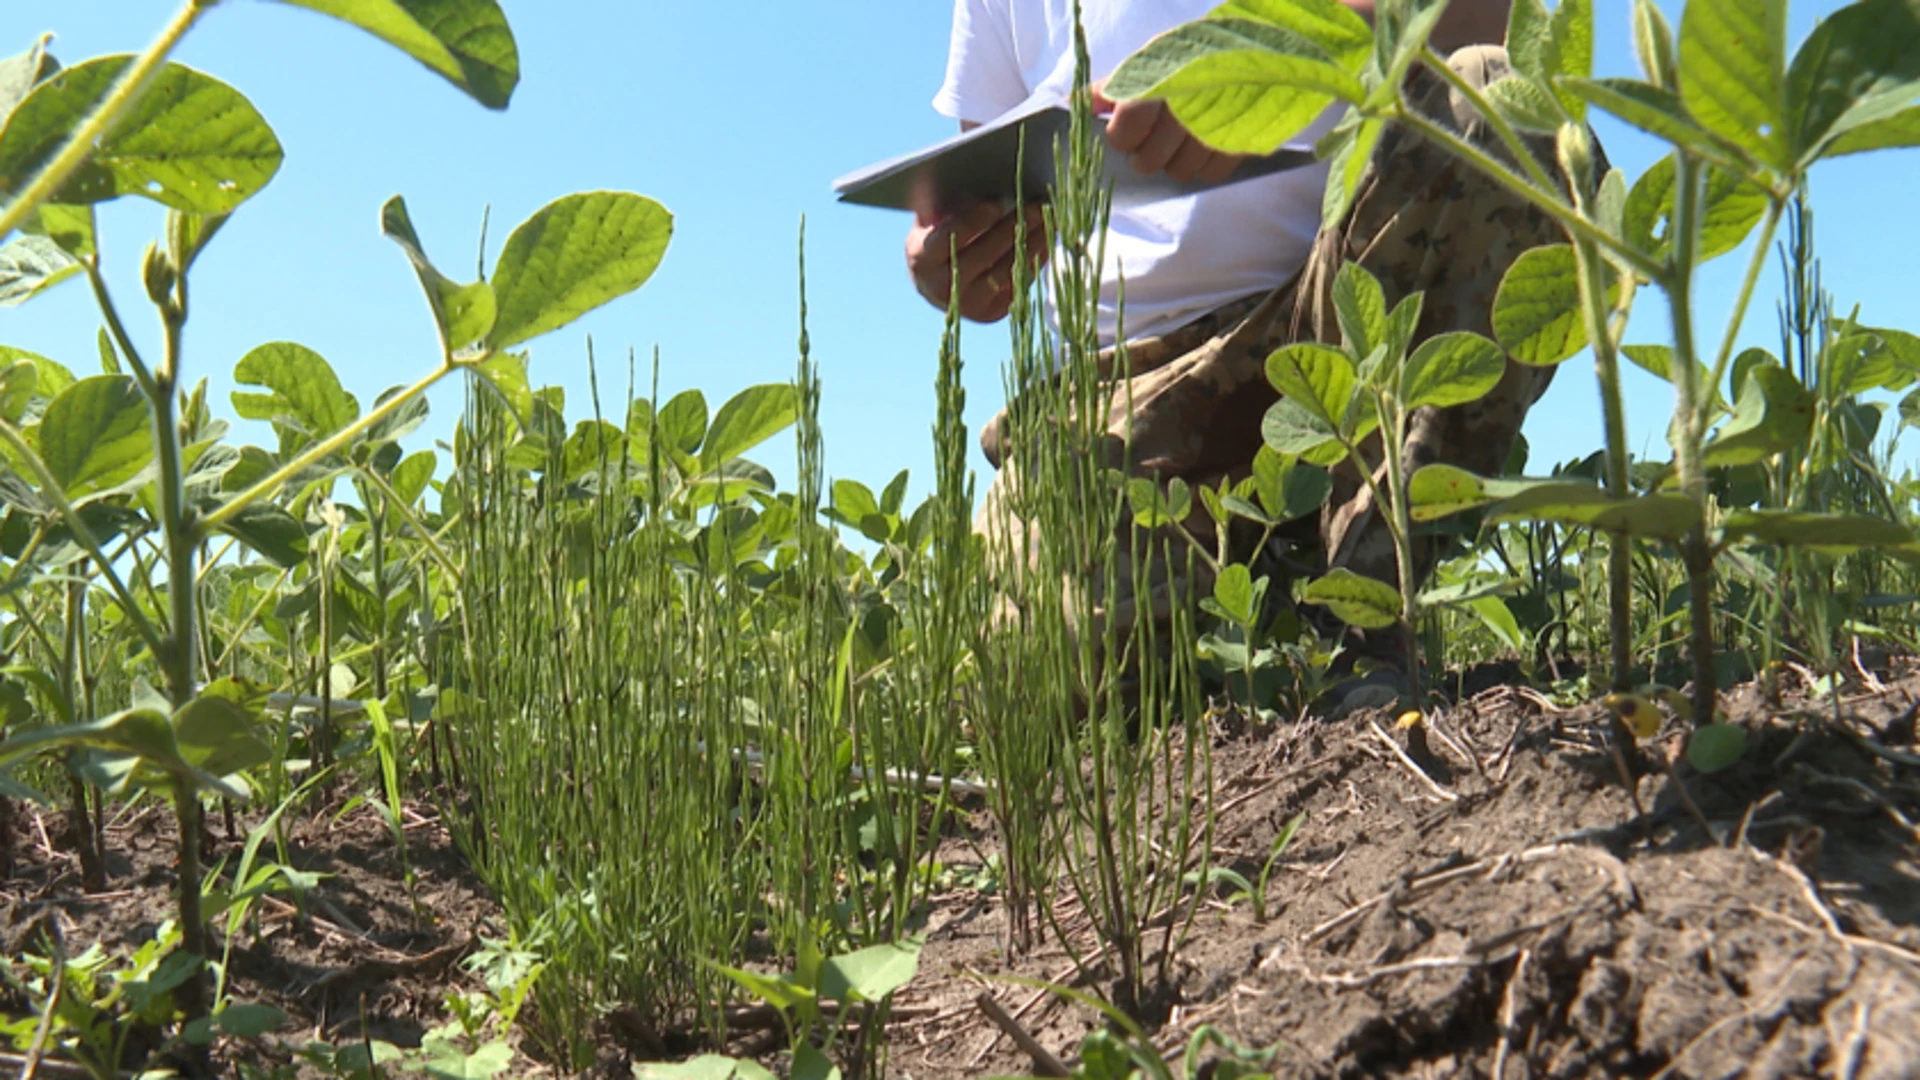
(1519, 918)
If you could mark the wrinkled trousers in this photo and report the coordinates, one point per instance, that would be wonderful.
(1194, 398)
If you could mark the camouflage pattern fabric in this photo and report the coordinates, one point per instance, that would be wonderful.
(1195, 397)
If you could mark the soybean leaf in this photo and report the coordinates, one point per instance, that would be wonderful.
(1859, 361)
(143, 732)
(1437, 491)
(1833, 534)
(1238, 85)
(1546, 46)
(29, 266)
(18, 383)
(1451, 369)
(1342, 35)
(304, 389)
(870, 974)
(191, 142)
(573, 255)
(1361, 307)
(216, 734)
(1154, 506)
(1653, 45)
(748, 419)
(464, 314)
(1647, 107)
(682, 425)
(1233, 592)
(1498, 617)
(1286, 487)
(19, 74)
(1899, 130)
(1733, 60)
(810, 1064)
(467, 42)
(51, 377)
(1854, 79)
(270, 531)
(1524, 103)
(1716, 746)
(1356, 600)
(1657, 360)
(506, 374)
(97, 434)
(1730, 208)
(704, 1067)
(1771, 414)
(1316, 377)
(1401, 32)
(249, 1021)
(1536, 313)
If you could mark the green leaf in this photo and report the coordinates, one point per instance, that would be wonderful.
(305, 391)
(1530, 44)
(467, 42)
(704, 1067)
(464, 314)
(1524, 103)
(1336, 29)
(682, 424)
(1316, 377)
(1536, 313)
(18, 383)
(1653, 45)
(1853, 81)
(1437, 491)
(1645, 106)
(810, 1064)
(1288, 489)
(506, 374)
(1357, 601)
(870, 974)
(1233, 591)
(748, 419)
(19, 74)
(1902, 129)
(779, 991)
(270, 531)
(190, 142)
(1730, 208)
(1716, 746)
(1772, 413)
(1451, 369)
(1238, 85)
(1544, 47)
(1832, 534)
(1733, 63)
(217, 735)
(1154, 506)
(143, 732)
(1361, 307)
(573, 255)
(97, 434)
(1498, 617)
(29, 266)
(51, 377)
(249, 1021)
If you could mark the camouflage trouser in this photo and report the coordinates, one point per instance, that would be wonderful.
(1195, 397)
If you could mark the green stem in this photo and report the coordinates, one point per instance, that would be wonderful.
(1606, 361)
(1510, 137)
(1695, 552)
(1393, 442)
(43, 187)
(142, 374)
(1568, 218)
(1761, 251)
(81, 532)
(319, 451)
(413, 521)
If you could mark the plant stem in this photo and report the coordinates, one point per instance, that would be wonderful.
(1606, 363)
(413, 521)
(320, 450)
(99, 125)
(142, 374)
(1694, 550)
(1576, 225)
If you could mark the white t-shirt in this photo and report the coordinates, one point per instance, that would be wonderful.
(1184, 256)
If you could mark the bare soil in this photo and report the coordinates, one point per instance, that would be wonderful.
(1511, 912)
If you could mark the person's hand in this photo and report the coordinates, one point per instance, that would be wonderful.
(983, 239)
(1154, 141)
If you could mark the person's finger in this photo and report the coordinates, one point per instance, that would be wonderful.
(1220, 167)
(987, 251)
(1131, 124)
(989, 296)
(1190, 160)
(1161, 144)
(1101, 102)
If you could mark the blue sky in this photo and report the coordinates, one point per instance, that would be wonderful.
(736, 117)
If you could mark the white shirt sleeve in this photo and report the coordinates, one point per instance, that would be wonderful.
(984, 78)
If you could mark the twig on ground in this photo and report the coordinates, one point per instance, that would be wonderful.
(1808, 891)
(1508, 1007)
(1044, 1062)
(1417, 771)
(1906, 823)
